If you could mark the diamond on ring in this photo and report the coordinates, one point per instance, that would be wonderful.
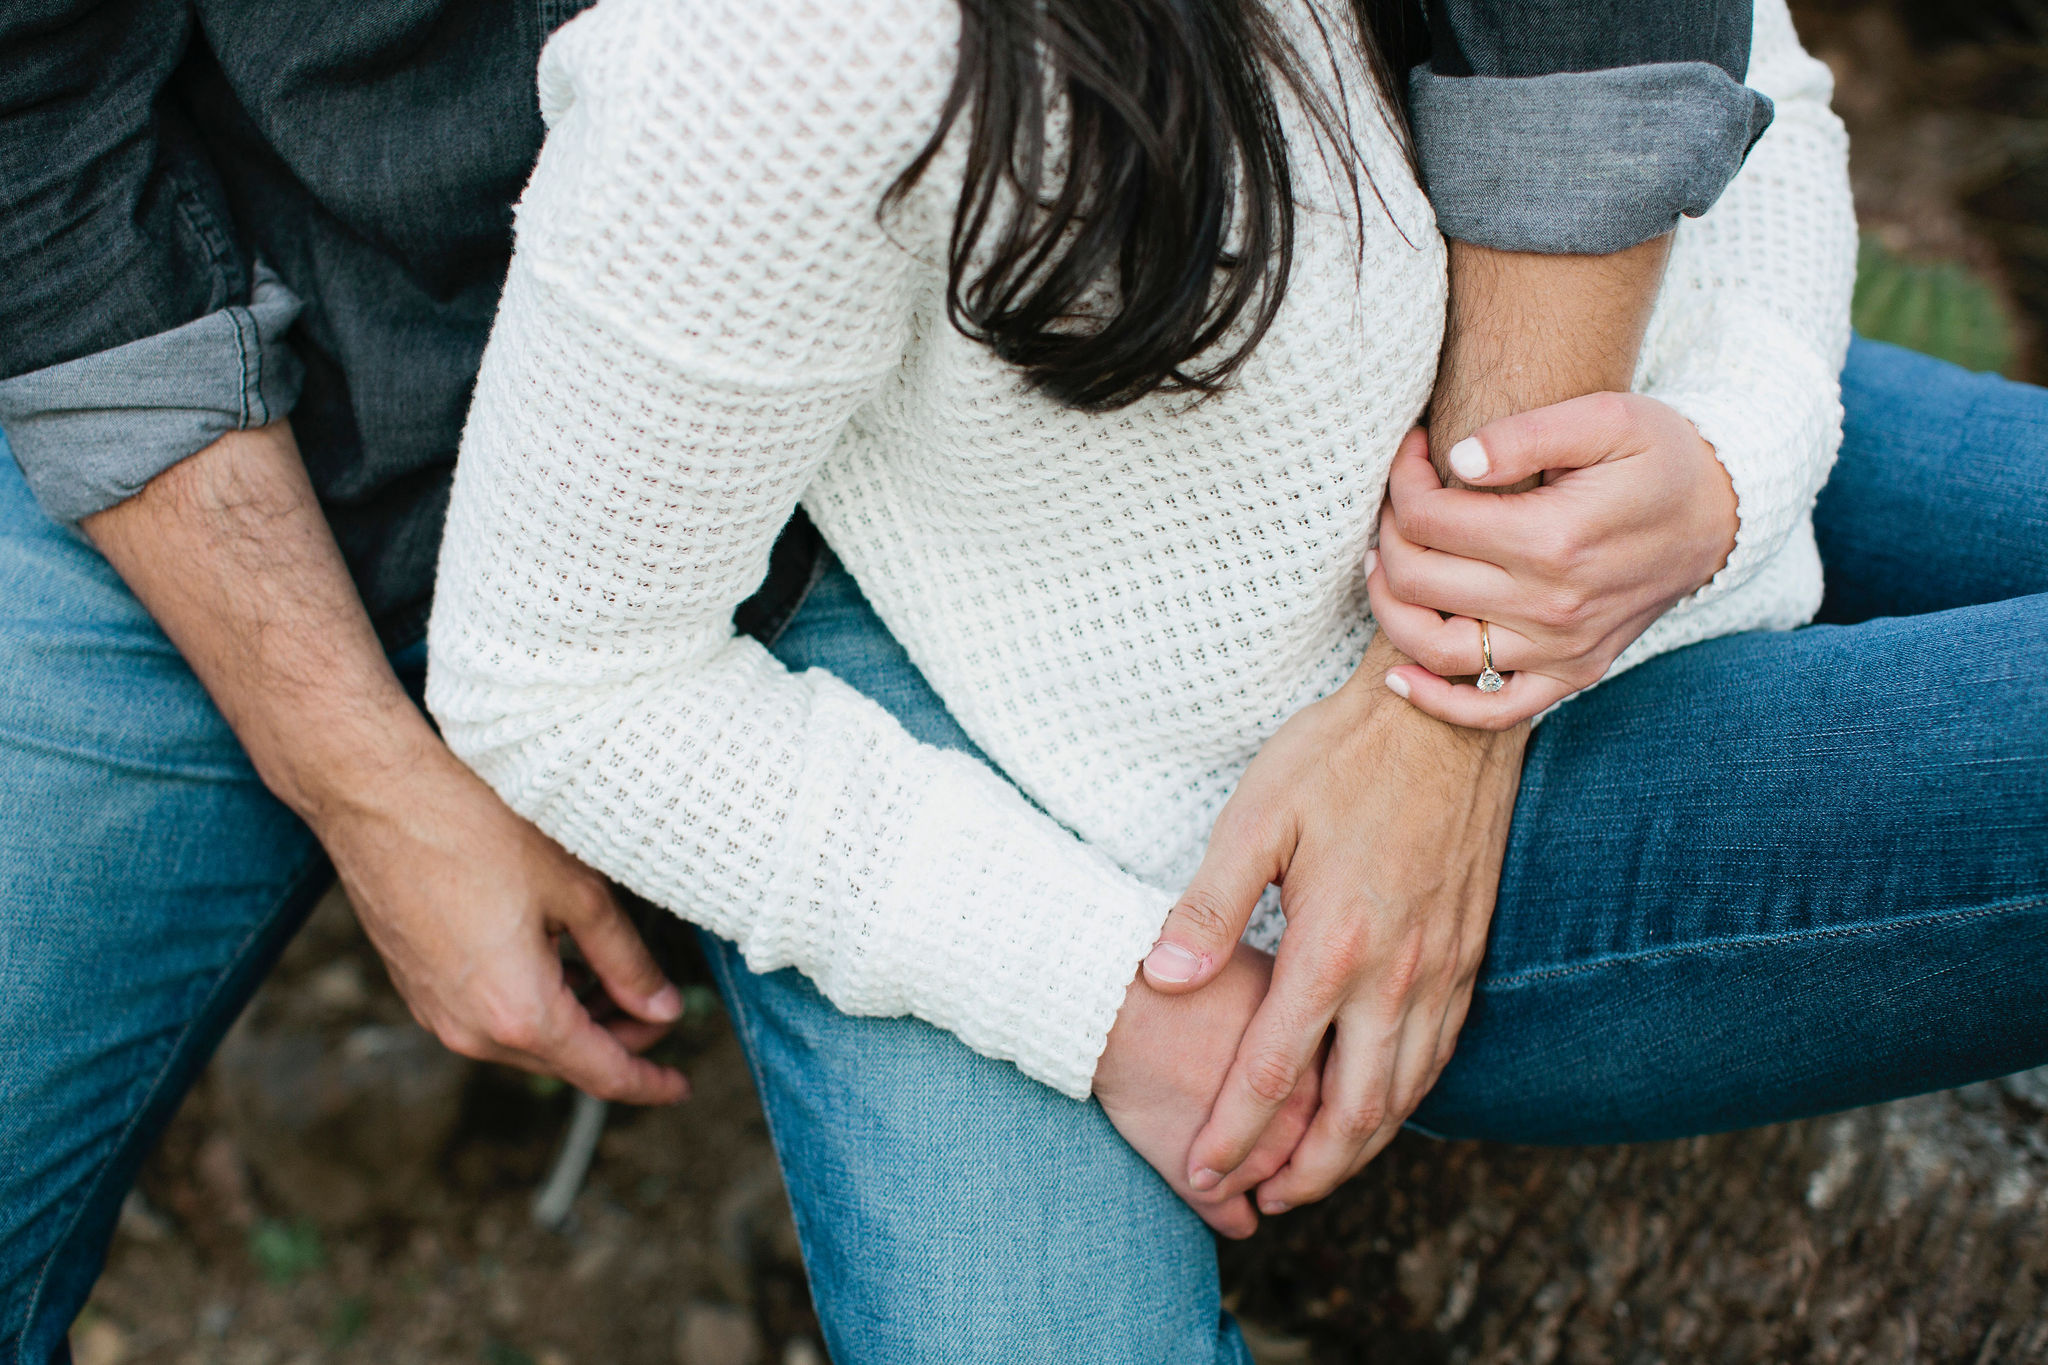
(1489, 681)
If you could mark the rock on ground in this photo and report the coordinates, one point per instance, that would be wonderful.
(1910, 1231)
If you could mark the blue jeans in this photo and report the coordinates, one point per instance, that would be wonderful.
(1762, 877)
(148, 881)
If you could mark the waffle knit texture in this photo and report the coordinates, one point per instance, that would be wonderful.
(705, 323)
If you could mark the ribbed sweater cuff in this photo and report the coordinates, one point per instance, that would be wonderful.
(1025, 939)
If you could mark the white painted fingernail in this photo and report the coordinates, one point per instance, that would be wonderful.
(1468, 459)
(1372, 562)
(1398, 685)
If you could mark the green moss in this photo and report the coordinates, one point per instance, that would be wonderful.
(285, 1251)
(1942, 308)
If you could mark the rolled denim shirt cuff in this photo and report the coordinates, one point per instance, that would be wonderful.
(1580, 162)
(89, 433)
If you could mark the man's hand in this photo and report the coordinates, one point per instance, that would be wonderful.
(1167, 1058)
(1385, 831)
(229, 552)
(465, 901)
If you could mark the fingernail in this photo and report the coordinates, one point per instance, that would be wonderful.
(1272, 1206)
(666, 1004)
(1372, 562)
(1468, 459)
(1206, 1179)
(1398, 685)
(1171, 962)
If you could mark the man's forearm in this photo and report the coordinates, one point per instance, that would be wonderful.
(1526, 330)
(464, 899)
(230, 553)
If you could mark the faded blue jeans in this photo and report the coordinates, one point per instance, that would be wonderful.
(1765, 876)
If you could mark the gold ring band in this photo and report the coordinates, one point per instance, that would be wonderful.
(1489, 681)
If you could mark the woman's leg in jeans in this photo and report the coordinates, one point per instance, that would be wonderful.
(1779, 874)
(1940, 497)
(951, 1209)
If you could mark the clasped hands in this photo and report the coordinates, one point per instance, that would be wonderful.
(1382, 811)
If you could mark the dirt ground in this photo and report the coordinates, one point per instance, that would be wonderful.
(339, 1190)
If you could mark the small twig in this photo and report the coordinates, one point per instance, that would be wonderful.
(558, 1192)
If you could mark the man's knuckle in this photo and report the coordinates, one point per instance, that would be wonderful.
(1201, 913)
(512, 1024)
(1404, 972)
(464, 1041)
(1247, 822)
(589, 899)
(1358, 1123)
(519, 1036)
(1270, 1076)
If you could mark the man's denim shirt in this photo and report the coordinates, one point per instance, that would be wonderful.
(215, 213)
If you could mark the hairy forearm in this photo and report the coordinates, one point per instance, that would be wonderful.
(230, 553)
(1525, 331)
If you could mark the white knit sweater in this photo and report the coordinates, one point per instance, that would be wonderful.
(704, 325)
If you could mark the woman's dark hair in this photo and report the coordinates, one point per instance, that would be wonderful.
(1120, 262)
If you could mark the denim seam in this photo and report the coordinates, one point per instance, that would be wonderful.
(85, 1200)
(1519, 979)
(242, 359)
(743, 1026)
(202, 225)
(255, 401)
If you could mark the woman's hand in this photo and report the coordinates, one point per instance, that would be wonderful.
(1385, 830)
(1635, 512)
(1166, 1060)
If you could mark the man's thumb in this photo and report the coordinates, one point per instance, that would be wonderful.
(1208, 919)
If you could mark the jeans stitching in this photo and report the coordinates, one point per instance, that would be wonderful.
(242, 354)
(85, 1199)
(262, 402)
(743, 1027)
(1518, 979)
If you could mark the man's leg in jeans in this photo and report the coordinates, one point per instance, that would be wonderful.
(147, 882)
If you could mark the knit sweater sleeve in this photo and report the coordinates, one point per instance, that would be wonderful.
(700, 300)
(1748, 340)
